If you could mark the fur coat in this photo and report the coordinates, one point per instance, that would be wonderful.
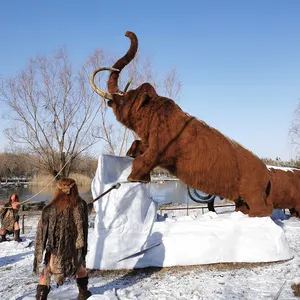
(63, 236)
(8, 217)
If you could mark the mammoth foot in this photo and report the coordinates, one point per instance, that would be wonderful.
(136, 149)
(242, 206)
(139, 178)
(263, 212)
(132, 154)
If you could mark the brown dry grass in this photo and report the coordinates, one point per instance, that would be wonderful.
(44, 180)
(221, 267)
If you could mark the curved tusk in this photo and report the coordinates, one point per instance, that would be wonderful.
(97, 90)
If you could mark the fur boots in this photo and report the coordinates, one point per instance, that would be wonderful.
(17, 236)
(42, 292)
(3, 238)
(82, 284)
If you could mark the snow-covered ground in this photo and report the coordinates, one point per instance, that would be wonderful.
(215, 281)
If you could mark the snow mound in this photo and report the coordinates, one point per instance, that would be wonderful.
(127, 234)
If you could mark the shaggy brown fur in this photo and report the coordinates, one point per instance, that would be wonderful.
(241, 206)
(62, 233)
(285, 190)
(196, 153)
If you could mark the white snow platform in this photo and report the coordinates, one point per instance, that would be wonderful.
(127, 234)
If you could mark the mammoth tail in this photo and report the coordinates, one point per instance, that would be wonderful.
(112, 83)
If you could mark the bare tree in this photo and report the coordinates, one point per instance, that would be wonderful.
(56, 116)
(85, 165)
(52, 110)
(15, 165)
(172, 85)
(294, 131)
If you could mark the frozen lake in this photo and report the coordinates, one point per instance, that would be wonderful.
(173, 191)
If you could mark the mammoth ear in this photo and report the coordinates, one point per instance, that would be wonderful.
(142, 100)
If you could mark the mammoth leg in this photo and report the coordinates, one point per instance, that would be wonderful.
(255, 191)
(293, 212)
(137, 149)
(211, 205)
(242, 206)
(257, 204)
(296, 210)
(143, 165)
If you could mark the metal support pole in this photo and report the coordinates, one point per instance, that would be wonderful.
(23, 224)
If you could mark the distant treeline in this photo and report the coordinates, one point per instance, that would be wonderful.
(280, 163)
(26, 165)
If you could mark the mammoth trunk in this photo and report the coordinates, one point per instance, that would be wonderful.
(112, 83)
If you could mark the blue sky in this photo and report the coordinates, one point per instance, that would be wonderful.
(239, 61)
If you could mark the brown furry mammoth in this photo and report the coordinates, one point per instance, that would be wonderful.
(285, 190)
(196, 153)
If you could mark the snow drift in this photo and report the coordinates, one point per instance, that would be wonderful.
(127, 233)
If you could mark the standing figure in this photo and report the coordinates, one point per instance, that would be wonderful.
(10, 218)
(62, 233)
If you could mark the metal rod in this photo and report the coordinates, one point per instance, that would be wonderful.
(116, 186)
(161, 208)
(23, 224)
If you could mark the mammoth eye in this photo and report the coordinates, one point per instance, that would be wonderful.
(119, 94)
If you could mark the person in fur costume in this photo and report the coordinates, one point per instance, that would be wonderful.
(62, 233)
(10, 218)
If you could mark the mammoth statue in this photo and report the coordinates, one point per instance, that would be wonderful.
(285, 189)
(284, 192)
(199, 155)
